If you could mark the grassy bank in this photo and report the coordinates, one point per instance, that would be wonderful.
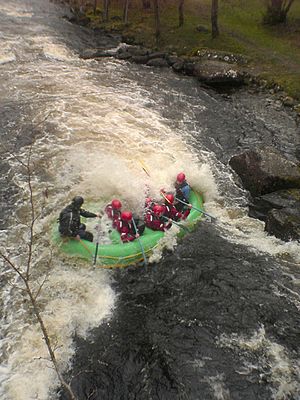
(273, 52)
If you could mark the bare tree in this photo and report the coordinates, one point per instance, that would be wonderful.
(214, 18)
(157, 19)
(125, 11)
(180, 12)
(24, 271)
(146, 4)
(277, 11)
(106, 10)
(95, 7)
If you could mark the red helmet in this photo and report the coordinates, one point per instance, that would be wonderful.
(180, 177)
(158, 209)
(169, 198)
(116, 204)
(126, 216)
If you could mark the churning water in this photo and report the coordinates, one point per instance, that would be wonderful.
(214, 319)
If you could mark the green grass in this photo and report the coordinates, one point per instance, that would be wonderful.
(273, 52)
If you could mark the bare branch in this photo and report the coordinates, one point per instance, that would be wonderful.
(25, 276)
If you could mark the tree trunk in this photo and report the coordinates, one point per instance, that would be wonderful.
(214, 18)
(157, 19)
(106, 9)
(95, 6)
(277, 11)
(125, 11)
(180, 12)
(146, 4)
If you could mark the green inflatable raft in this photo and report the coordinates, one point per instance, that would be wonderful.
(118, 254)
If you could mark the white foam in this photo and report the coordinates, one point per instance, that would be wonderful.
(75, 301)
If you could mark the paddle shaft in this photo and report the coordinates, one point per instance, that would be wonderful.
(140, 243)
(176, 223)
(96, 252)
(195, 208)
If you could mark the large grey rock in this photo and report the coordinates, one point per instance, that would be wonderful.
(140, 59)
(158, 62)
(217, 73)
(284, 224)
(262, 205)
(178, 66)
(265, 171)
(157, 55)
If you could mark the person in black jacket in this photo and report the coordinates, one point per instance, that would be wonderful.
(69, 220)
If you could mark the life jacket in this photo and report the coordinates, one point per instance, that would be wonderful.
(126, 230)
(172, 212)
(183, 190)
(113, 214)
(156, 223)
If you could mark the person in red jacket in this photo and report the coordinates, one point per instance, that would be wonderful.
(170, 210)
(126, 228)
(113, 211)
(155, 220)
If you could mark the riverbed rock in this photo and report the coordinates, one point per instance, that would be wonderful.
(216, 73)
(95, 53)
(284, 224)
(140, 59)
(178, 66)
(157, 55)
(172, 59)
(127, 52)
(282, 199)
(158, 62)
(264, 171)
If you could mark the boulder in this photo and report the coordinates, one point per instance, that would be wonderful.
(158, 62)
(189, 68)
(95, 53)
(157, 55)
(284, 224)
(262, 205)
(217, 73)
(265, 171)
(172, 60)
(178, 66)
(140, 59)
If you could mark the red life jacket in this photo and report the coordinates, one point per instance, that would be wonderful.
(126, 230)
(156, 223)
(113, 214)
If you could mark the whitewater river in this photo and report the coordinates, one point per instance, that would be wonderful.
(215, 316)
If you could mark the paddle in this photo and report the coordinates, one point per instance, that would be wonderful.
(139, 240)
(176, 223)
(144, 167)
(97, 245)
(195, 208)
(97, 242)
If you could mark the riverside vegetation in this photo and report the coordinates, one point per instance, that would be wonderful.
(270, 53)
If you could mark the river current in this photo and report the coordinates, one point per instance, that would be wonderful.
(214, 316)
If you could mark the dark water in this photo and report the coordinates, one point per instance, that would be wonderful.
(218, 317)
(165, 338)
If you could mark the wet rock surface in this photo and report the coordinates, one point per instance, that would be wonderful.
(265, 172)
(281, 199)
(166, 338)
(284, 223)
(217, 73)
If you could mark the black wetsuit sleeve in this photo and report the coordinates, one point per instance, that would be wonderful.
(87, 214)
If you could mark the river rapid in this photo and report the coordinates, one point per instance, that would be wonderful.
(215, 316)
